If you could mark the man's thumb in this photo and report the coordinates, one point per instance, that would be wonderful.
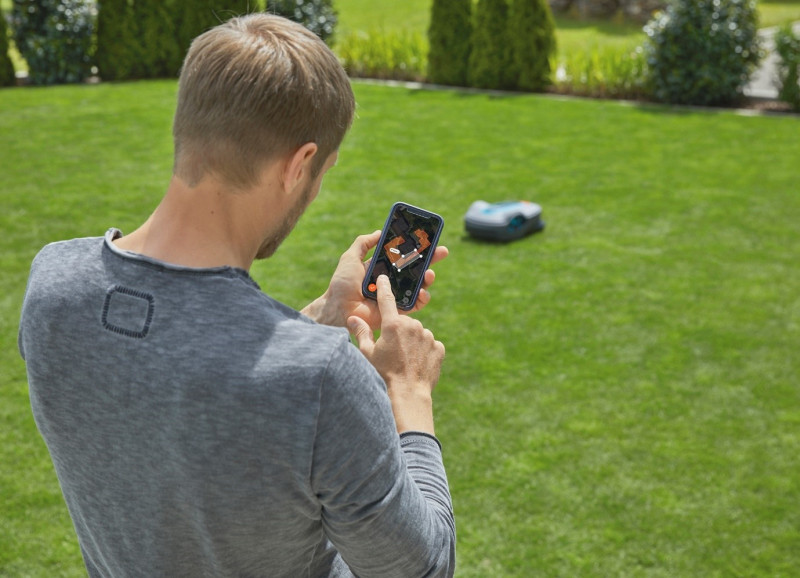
(359, 329)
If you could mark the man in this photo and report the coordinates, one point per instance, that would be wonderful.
(197, 426)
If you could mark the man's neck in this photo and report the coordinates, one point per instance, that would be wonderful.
(202, 226)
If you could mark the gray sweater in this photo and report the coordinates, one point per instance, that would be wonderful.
(200, 428)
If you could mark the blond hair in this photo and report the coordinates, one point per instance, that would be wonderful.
(252, 90)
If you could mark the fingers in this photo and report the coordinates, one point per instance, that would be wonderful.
(386, 303)
(424, 296)
(363, 334)
(423, 299)
(428, 279)
(363, 244)
(440, 253)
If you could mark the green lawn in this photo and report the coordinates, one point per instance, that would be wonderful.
(620, 395)
(383, 15)
(775, 12)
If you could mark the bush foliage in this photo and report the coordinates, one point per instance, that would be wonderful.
(385, 55)
(609, 72)
(787, 45)
(7, 77)
(703, 52)
(316, 15)
(449, 38)
(55, 38)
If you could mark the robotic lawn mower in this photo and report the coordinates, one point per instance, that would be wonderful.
(505, 221)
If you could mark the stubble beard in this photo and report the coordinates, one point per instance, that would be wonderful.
(271, 243)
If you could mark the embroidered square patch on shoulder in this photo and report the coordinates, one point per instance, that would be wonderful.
(128, 312)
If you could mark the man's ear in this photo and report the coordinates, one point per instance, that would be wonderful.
(298, 165)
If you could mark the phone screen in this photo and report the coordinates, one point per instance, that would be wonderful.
(404, 253)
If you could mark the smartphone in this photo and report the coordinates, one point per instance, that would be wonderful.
(404, 253)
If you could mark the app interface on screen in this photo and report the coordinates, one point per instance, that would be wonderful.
(404, 253)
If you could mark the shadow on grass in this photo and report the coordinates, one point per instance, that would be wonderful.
(746, 107)
(465, 92)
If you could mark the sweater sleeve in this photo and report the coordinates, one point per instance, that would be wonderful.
(385, 500)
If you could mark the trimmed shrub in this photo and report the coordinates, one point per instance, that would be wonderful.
(55, 38)
(532, 33)
(787, 45)
(117, 49)
(190, 18)
(381, 54)
(316, 15)
(449, 38)
(193, 17)
(7, 77)
(703, 52)
(157, 50)
(490, 57)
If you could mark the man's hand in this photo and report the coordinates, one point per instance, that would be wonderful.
(407, 356)
(343, 297)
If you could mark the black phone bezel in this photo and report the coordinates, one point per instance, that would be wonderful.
(382, 241)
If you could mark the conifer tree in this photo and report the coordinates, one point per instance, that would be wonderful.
(449, 37)
(490, 57)
(7, 76)
(533, 43)
(193, 17)
(157, 47)
(117, 50)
